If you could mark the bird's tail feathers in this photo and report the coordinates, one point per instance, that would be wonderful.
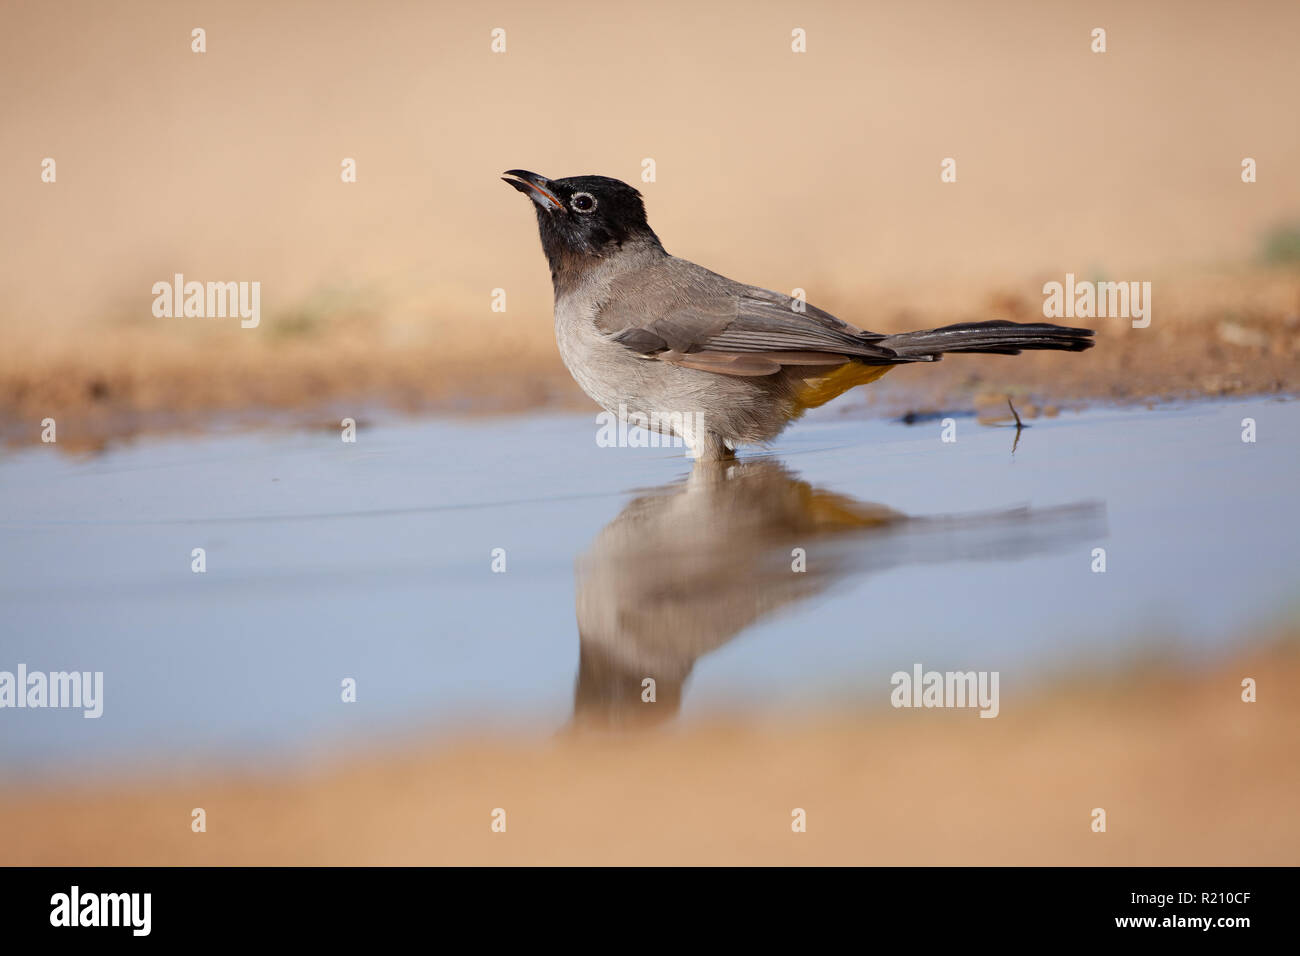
(998, 337)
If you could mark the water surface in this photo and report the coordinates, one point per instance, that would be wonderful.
(373, 561)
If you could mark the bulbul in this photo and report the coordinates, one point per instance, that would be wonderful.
(719, 363)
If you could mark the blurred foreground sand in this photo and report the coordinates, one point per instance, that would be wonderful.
(1187, 773)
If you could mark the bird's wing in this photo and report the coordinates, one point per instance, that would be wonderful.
(678, 312)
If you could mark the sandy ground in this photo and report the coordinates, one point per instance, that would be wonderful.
(818, 171)
(1187, 774)
(1231, 336)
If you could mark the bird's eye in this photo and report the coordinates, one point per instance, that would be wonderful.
(583, 202)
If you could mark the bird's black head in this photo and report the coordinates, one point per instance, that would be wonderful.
(584, 217)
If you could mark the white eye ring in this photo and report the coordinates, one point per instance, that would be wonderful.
(574, 198)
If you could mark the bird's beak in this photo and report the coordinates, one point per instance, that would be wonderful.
(537, 187)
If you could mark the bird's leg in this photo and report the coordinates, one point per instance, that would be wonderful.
(704, 445)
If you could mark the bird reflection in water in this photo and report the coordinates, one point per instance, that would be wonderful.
(685, 568)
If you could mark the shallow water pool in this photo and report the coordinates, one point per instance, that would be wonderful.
(374, 561)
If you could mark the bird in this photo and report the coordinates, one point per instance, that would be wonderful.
(718, 363)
